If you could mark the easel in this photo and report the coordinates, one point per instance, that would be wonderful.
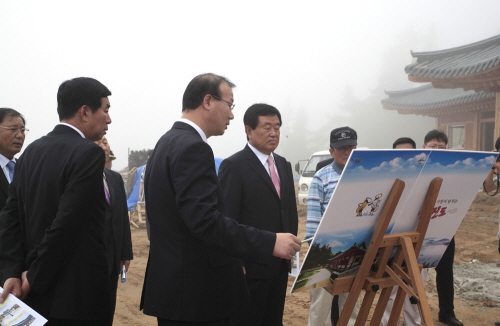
(374, 273)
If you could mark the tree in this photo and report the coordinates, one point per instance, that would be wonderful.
(318, 255)
(138, 158)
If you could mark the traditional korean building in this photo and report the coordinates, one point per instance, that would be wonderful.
(463, 93)
(348, 259)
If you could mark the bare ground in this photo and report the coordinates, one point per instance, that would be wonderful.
(477, 273)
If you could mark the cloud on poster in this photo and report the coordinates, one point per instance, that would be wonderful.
(397, 164)
(469, 164)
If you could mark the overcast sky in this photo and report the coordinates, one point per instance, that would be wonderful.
(285, 53)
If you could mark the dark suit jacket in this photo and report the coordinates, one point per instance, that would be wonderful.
(119, 243)
(193, 273)
(53, 226)
(251, 199)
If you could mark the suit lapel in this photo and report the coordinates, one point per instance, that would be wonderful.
(256, 165)
(4, 184)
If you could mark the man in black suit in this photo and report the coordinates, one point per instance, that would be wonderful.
(251, 198)
(194, 276)
(12, 134)
(52, 249)
(117, 227)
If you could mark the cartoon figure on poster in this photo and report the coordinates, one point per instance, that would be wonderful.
(376, 203)
(370, 205)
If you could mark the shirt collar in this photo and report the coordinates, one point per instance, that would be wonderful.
(261, 156)
(195, 126)
(337, 167)
(71, 126)
(4, 161)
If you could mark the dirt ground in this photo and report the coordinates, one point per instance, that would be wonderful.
(477, 273)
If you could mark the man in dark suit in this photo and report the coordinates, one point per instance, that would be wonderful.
(12, 134)
(117, 227)
(52, 249)
(194, 276)
(253, 199)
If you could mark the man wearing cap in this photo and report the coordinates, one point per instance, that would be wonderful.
(342, 141)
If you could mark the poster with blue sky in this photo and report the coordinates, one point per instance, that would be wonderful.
(463, 174)
(351, 216)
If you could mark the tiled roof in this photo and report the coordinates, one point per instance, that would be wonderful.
(428, 100)
(473, 66)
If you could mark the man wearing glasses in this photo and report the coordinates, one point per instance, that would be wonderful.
(436, 139)
(194, 275)
(342, 141)
(12, 134)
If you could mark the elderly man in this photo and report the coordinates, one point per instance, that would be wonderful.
(117, 228)
(194, 276)
(52, 250)
(342, 141)
(12, 134)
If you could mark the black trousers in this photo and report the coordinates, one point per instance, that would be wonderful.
(65, 322)
(444, 282)
(267, 301)
(335, 315)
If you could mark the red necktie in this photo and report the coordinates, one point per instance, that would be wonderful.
(274, 176)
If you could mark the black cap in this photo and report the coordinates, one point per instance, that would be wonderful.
(343, 136)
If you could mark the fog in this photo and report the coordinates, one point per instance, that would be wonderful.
(323, 64)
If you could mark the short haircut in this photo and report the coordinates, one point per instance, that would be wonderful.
(436, 134)
(252, 114)
(77, 92)
(404, 140)
(497, 144)
(8, 112)
(200, 86)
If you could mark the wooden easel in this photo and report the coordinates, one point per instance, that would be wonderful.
(374, 274)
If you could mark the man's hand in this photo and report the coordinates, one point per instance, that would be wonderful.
(286, 245)
(12, 286)
(126, 263)
(25, 286)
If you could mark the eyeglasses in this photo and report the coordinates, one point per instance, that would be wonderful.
(14, 130)
(231, 105)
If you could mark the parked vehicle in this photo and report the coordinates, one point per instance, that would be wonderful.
(307, 173)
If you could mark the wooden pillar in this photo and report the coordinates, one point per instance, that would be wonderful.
(476, 129)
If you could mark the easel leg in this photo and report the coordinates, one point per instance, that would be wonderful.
(418, 286)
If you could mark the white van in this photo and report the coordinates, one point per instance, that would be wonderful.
(307, 174)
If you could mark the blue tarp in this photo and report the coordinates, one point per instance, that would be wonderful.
(133, 197)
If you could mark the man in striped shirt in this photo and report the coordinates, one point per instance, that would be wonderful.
(342, 141)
